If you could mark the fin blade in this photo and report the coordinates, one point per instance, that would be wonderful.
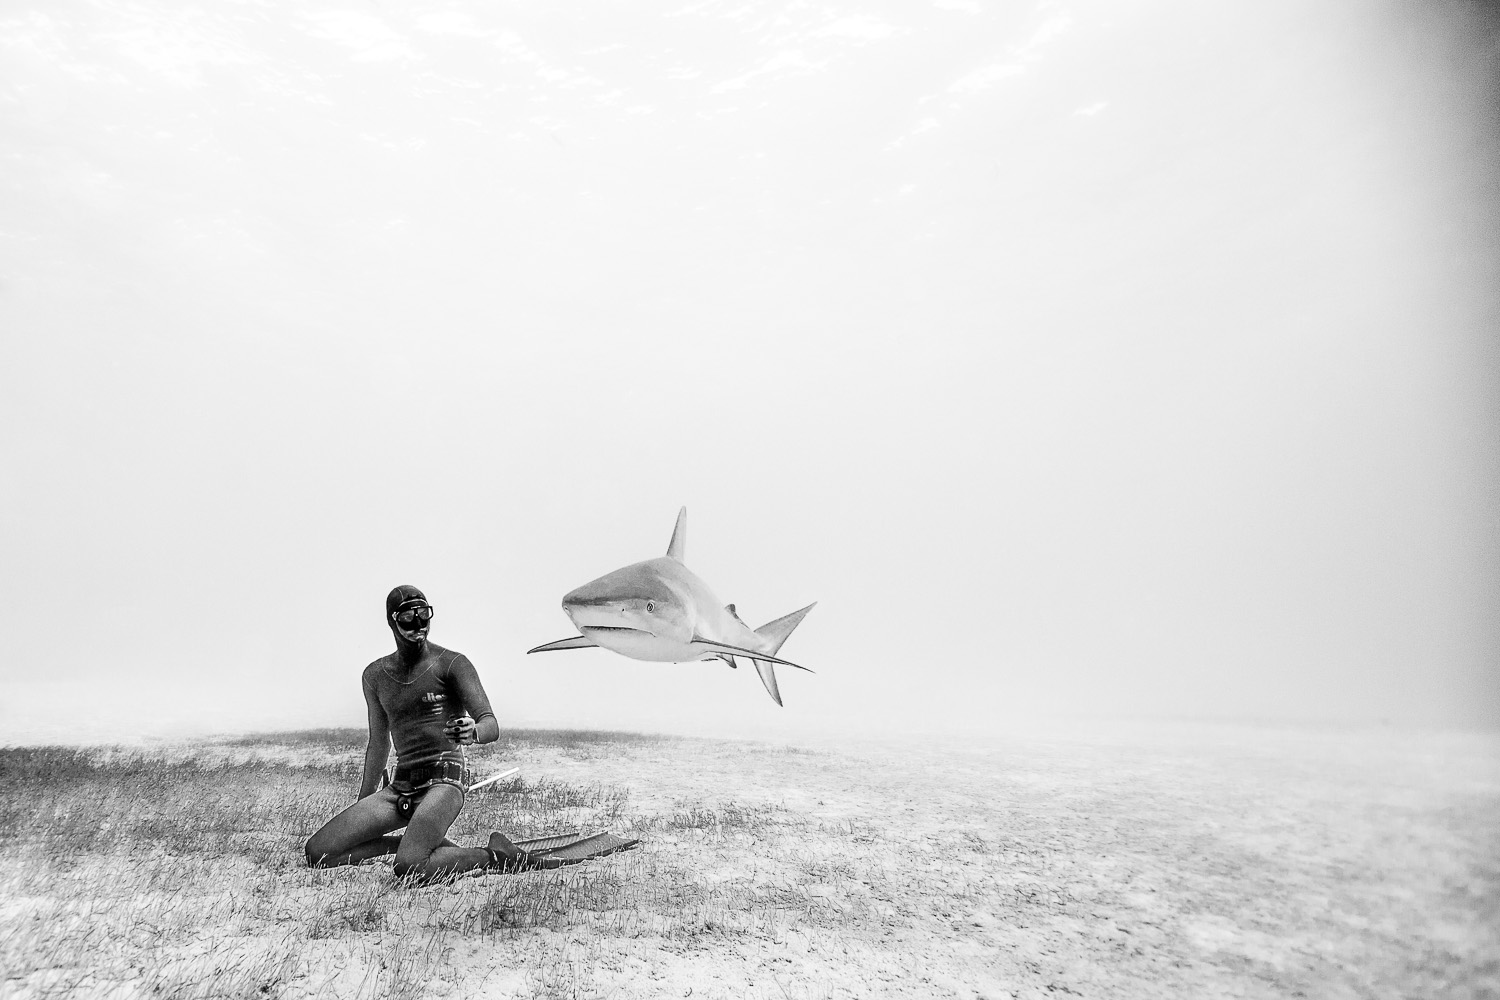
(577, 642)
(768, 678)
(709, 645)
(677, 548)
(777, 631)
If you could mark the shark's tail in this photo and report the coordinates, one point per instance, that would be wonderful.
(775, 633)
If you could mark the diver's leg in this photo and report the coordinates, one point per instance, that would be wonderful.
(357, 833)
(508, 854)
(426, 851)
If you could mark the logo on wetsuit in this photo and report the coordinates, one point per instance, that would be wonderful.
(433, 702)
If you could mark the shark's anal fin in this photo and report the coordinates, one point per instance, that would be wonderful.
(577, 642)
(729, 659)
(677, 548)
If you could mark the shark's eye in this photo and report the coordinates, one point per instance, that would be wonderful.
(650, 607)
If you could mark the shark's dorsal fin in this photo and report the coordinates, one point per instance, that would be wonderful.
(730, 609)
(677, 549)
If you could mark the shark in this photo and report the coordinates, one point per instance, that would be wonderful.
(659, 610)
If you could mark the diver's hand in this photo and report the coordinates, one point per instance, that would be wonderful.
(460, 729)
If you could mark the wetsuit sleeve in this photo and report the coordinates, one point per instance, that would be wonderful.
(378, 749)
(476, 702)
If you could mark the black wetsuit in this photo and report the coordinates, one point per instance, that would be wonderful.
(417, 711)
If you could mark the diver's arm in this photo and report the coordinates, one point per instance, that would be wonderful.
(476, 702)
(486, 728)
(378, 750)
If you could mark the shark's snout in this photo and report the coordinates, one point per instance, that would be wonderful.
(630, 605)
(570, 602)
(593, 610)
(594, 594)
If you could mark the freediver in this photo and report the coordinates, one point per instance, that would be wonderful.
(428, 702)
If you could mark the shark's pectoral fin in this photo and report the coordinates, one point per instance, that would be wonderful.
(577, 642)
(768, 678)
(709, 645)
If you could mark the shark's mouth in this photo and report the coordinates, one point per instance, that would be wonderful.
(611, 628)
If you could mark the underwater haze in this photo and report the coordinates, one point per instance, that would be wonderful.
(1080, 359)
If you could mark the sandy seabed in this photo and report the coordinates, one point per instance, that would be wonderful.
(1182, 861)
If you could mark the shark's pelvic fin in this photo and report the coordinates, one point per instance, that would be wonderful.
(729, 659)
(577, 642)
(768, 678)
(677, 548)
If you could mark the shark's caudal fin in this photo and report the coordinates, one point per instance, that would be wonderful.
(677, 548)
(775, 633)
(768, 678)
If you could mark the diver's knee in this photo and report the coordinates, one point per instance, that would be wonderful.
(315, 851)
(412, 864)
(409, 869)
